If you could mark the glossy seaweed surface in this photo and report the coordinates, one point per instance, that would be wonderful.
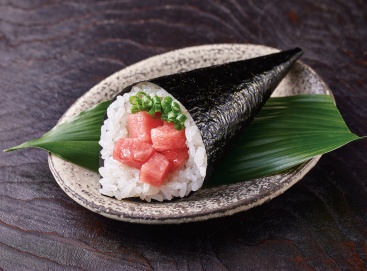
(224, 99)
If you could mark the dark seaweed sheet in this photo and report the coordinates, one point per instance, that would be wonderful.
(224, 99)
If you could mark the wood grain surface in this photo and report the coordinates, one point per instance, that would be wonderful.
(54, 51)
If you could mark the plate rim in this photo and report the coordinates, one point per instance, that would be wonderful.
(217, 213)
(236, 207)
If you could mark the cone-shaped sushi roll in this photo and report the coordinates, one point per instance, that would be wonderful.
(162, 138)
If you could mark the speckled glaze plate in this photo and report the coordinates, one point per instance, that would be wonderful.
(82, 185)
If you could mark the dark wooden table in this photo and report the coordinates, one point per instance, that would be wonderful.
(52, 52)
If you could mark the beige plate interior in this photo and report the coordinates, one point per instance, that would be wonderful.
(82, 185)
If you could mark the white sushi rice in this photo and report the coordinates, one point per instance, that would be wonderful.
(121, 181)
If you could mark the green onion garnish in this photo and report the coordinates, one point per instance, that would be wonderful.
(171, 116)
(157, 108)
(178, 126)
(175, 107)
(156, 100)
(170, 110)
(181, 118)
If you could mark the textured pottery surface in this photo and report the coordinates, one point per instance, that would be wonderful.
(82, 185)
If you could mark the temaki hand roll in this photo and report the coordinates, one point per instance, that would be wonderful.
(163, 138)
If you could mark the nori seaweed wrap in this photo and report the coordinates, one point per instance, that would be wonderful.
(223, 99)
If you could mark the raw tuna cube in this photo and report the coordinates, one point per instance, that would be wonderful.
(166, 123)
(168, 138)
(176, 157)
(155, 170)
(140, 124)
(132, 151)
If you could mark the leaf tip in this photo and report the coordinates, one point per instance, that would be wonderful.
(18, 147)
(11, 149)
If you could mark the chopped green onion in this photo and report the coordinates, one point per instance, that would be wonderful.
(152, 112)
(146, 98)
(147, 102)
(171, 116)
(134, 109)
(164, 117)
(166, 102)
(167, 109)
(133, 100)
(170, 110)
(175, 107)
(156, 100)
(181, 118)
(157, 108)
(178, 126)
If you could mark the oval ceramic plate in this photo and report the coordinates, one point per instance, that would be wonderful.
(82, 185)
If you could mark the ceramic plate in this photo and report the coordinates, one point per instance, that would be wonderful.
(82, 185)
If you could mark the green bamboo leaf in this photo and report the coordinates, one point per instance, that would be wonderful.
(75, 140)
(286, 132)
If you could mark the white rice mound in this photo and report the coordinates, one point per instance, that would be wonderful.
(122, 181)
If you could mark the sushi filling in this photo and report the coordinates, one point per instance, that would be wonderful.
(154, 146)
(138, 178)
